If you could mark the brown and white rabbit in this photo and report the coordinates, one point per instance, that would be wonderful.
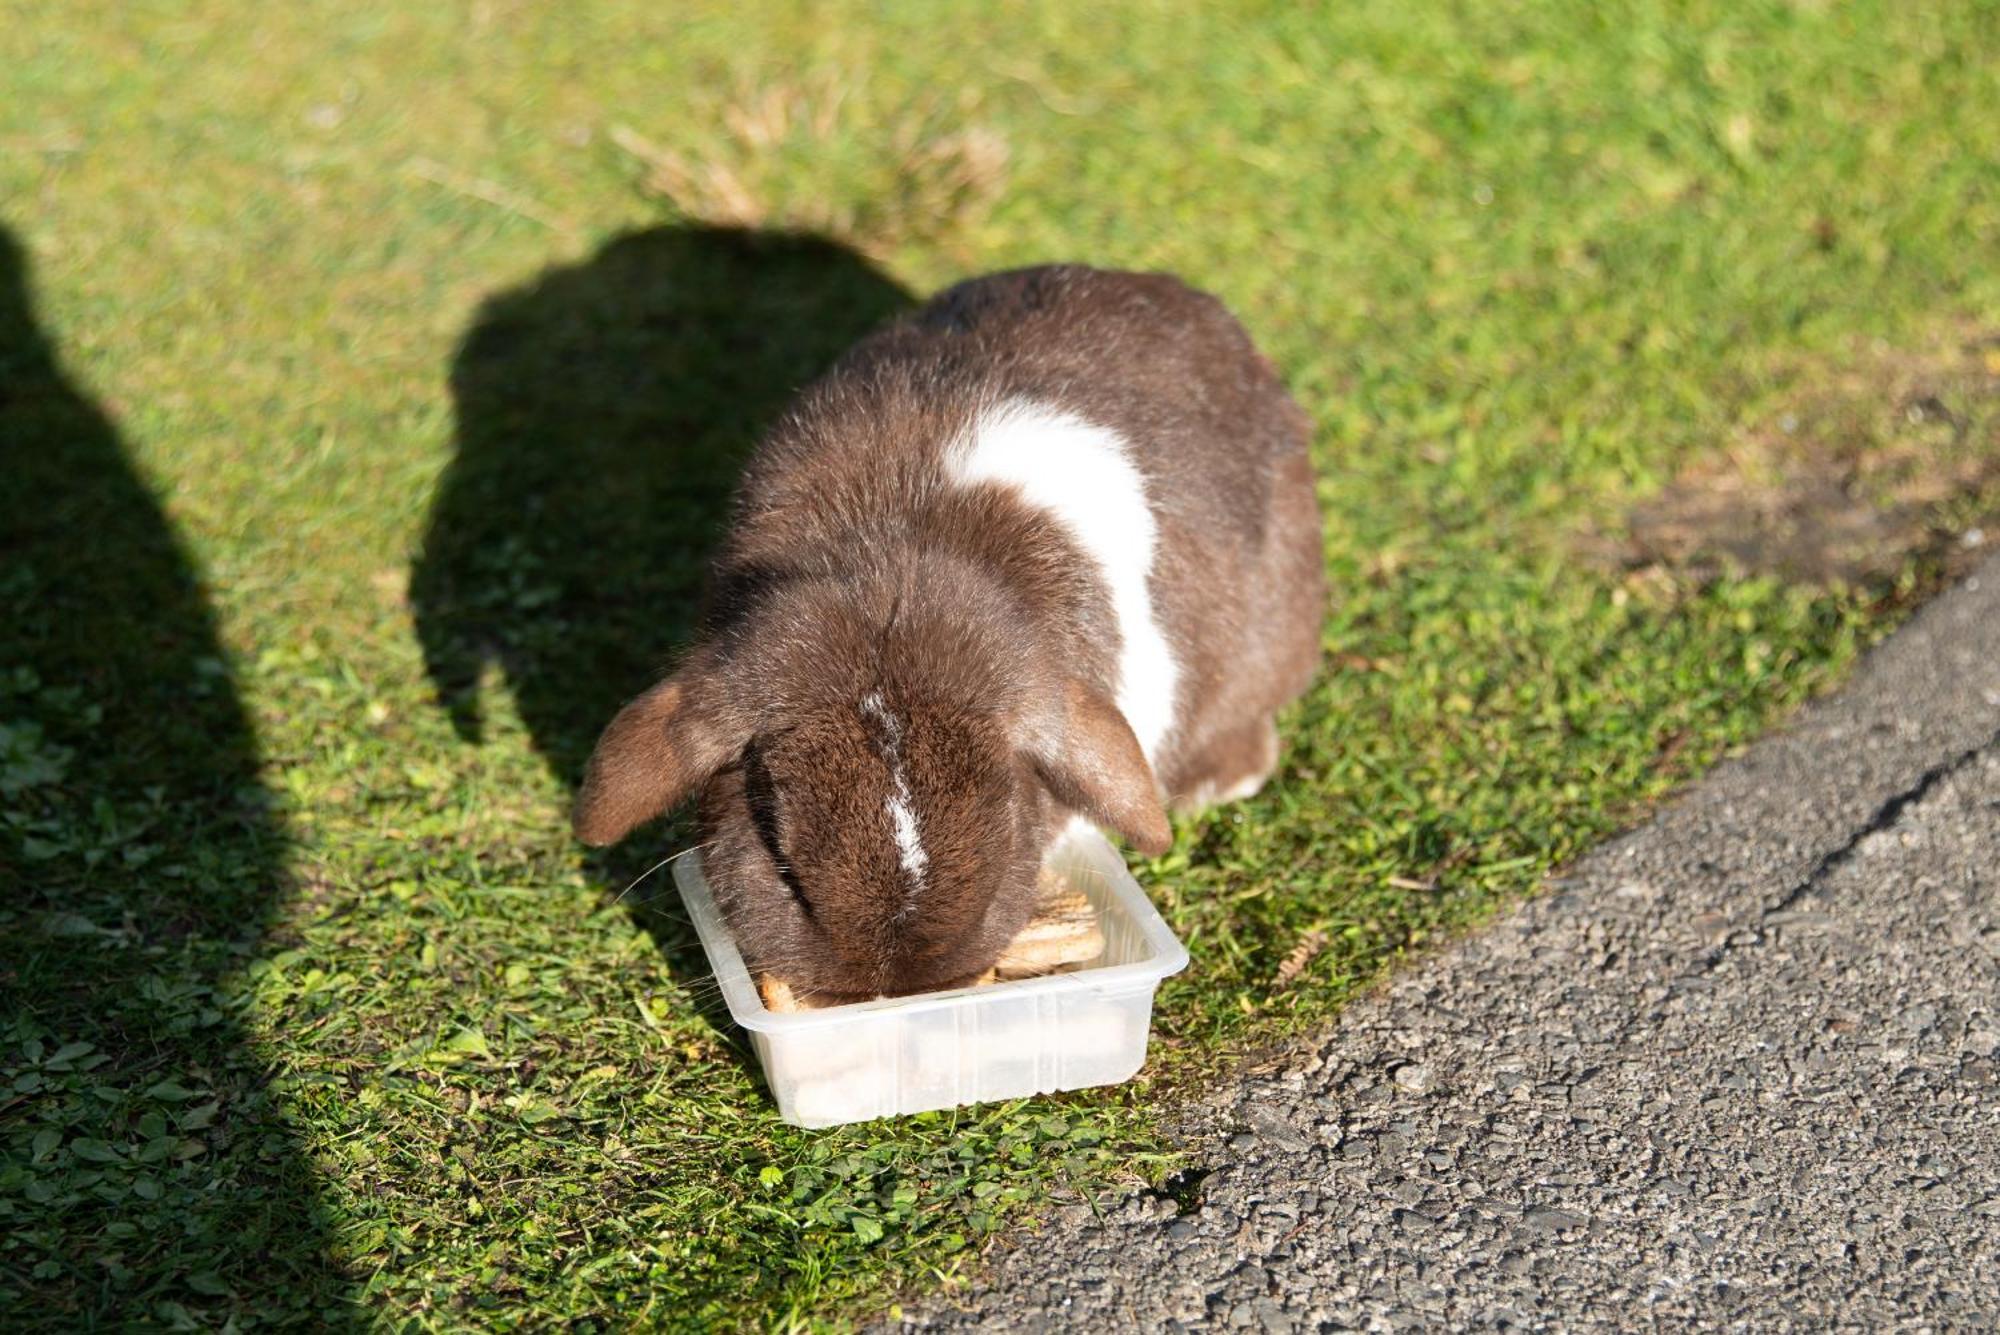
(1048, 547)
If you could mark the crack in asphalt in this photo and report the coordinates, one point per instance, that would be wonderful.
(1884, 817)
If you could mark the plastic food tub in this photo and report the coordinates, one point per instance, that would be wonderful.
(903, 1055)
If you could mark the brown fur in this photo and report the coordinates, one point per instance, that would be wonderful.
(855, 569)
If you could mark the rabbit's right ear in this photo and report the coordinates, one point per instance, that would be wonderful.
(1093, 765)
(659, 749)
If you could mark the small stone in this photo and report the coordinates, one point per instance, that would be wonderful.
(1548, 1217)
(1412, 1222)
(1272, 1316)
(1414, 1078)
(1273, 1125)
(1180, 1230)
(1242, 1141)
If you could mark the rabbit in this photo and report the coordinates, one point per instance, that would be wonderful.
(1045, 549)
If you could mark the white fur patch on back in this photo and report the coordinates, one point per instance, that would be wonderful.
(900, 804)
(1083, 476)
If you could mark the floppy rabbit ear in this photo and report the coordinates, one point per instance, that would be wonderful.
(1092, 764)
(658, 749)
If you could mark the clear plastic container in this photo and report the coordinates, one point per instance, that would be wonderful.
(1002, 1041)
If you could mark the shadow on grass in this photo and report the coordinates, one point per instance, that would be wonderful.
(604, 412)
(147, 1178)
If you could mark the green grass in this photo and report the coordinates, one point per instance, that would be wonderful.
(369, 383)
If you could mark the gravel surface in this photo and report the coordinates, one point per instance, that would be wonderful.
(1739, 1067)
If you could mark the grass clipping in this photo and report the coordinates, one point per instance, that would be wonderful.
(1062, 935)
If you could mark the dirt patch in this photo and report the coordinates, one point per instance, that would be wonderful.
(1844, 480)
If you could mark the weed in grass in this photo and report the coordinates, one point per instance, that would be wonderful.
(786, 158)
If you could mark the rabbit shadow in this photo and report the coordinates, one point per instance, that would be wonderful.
(603, 413)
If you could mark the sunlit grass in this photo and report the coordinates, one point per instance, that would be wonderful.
(340, 290)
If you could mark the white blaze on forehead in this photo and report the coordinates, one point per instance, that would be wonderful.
(909, 844)
(1083, 476)
(900, 805)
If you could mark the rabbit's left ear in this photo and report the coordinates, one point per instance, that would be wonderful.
(1092, 764)
(657, 751)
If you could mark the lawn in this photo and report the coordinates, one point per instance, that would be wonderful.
(371, 383)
